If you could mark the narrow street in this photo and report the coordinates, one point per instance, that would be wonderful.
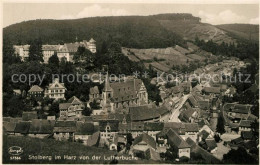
(176, 109)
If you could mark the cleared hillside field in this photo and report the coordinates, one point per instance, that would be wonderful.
(163, 59)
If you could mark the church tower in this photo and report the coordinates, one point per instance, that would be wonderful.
(106, 95)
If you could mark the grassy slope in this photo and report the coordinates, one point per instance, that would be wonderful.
(51, 147)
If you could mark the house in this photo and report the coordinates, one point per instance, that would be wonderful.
(191, 131)
(237, 112)
(136, 128)
(108, 128)
(214, 91)
(143, 142)
(178, 143)
(230, 92)
(145, 147)
(72, 109)
(17, 92)
(22, 51)
(247, 135)
(51, 118)
(41, 128)
(22, 128)
(206, 130)
(237, 141)
(55, 90)
(153, 128)
(245, 125)
(123, 94)
(48, 51)
(83, 131)
(35, 91)
(29, 116)
(94, 94)
(211, 145)
(64, 130)
(9, 128)
(188, 115)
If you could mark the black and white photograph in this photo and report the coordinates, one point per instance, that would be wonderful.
(130, 82)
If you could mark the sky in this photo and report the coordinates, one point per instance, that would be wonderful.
(209, 13)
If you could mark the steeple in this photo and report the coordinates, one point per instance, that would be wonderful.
(107, 84)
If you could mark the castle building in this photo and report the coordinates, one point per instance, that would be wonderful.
(65, 51)
(118, 96)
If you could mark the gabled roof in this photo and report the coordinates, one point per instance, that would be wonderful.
(113, 124)
(237, 140)
(64, 105)
(94, 90)
(9, 126)
(17, 91)
(245, 123)
(152, 126)
(74, 101)
(124, 91)
(241, 108)
(39, 126)
(92, 40)
(50, 47)
(247, 135)
(22, 127)
(145, 138)
(204, 134)
(191, 127)
(175, 140)
(36, 88)
(186, 114)
(142, 113)
(176, 126)
(56, 83)
(65, 126)
(27, 116)
(84, 128)
(211, 143)
(215, 90)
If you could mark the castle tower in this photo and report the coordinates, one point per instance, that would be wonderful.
(92, 45)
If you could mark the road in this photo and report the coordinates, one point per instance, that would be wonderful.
(176, 110)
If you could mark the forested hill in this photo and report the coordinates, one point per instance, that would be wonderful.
(155, 31)
(129, 31)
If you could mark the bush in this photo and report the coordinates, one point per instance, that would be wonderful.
(184, 159)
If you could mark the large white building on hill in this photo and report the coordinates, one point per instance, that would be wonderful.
(63, 51)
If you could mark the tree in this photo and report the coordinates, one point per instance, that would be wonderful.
(129, 139)
(239, 156)
(86, 111)
(35, 51)
(94, 105)
(54, 60)
(220, 125)
(54, 109)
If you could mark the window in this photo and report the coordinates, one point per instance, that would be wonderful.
(56, 85)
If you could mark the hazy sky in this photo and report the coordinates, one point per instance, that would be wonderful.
(214, 14)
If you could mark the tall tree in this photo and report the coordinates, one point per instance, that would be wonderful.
(220, 125)
(35, 51)
(54, 60)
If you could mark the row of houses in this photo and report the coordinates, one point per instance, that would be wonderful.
(56, 90)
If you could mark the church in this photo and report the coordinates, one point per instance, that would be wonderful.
(118, 96)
